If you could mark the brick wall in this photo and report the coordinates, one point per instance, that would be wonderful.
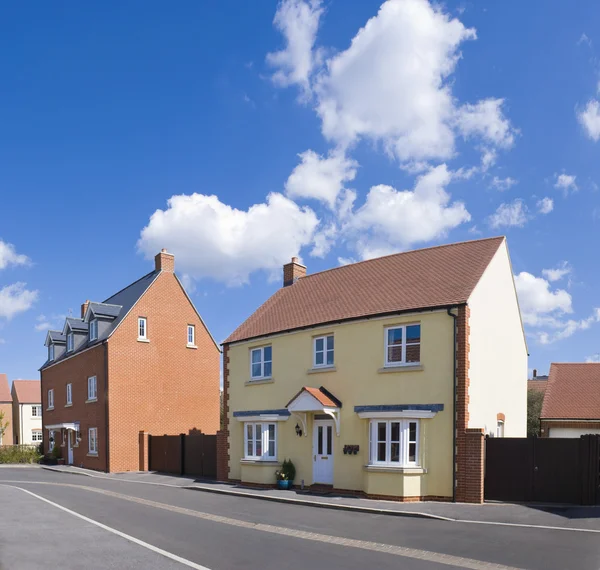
(6, 408)
(160, 386)
(77, 370)
(474, 466)
(223, 434)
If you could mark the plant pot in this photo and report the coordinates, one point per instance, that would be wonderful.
(284, 484)
(60, 461)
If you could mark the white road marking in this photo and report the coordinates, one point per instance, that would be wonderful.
(445, 559)
(128, 537)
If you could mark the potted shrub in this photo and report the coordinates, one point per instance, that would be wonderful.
(56, 454)
(286, 475)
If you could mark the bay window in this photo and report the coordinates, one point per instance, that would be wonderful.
(260, 441)
(394, 443)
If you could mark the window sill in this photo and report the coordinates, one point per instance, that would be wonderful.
(269, 462)
(391, 469)
(69, 405)
(91, 400)
(50, 409)
(400, 368)
(320, 369)
(260, 381)
(91, 455)
(143, 340)
(191, 346)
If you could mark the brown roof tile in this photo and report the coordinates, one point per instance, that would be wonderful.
(424, 278)
(27, 391)
(4, 389)
(319, 395)
(573, 392)
(538, 385)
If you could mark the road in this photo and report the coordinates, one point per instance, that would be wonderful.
(67, 521)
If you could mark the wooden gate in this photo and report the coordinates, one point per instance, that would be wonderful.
(547, 470)
(165, 453)
(184, 454)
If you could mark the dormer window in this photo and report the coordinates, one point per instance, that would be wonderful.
(51, 352)
(94, 329)
(70, 342)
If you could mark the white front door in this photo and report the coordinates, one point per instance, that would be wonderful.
(69, 447)
(323, 452)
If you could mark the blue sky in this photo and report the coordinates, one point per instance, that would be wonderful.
(238, 135)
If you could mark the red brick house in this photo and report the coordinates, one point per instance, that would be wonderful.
(6, 409)
(141, 361)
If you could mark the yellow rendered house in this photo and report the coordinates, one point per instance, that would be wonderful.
(380, 378)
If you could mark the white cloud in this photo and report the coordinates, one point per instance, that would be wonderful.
(212, 239)
(565, 182)
(188, 283)
(44, 323)
(584, 39)
(15, 299)
(486, 120)
(321, 178)
(298, 21)
(545, 205)
(9, 256)
(488, 159)
(593, 358)
(510, 214)
(590, 119)
(324, 240)
(390, 219)
(557, 273)
(503, 184)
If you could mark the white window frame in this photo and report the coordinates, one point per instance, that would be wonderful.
(93, 441)
(37, 435)
(51, 353)
(264, 439)
(262, 362)
(403, 362)
(92, 389)
(403, 441)
(325, 351)
(142, 328)
(191, 339)
(36, 411)
(70, 342)
(51, 399)
(69, 394)
(94, 329)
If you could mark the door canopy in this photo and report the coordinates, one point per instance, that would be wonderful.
(315, 400)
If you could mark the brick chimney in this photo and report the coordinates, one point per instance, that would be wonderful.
(84, 308)
(164, 261)
(293, 271)
(534, 373)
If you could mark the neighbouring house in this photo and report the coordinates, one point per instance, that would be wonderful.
(380, 378)
(538, 382)
(27, 412)
(141, 362)
(6, 409)
(572, 401)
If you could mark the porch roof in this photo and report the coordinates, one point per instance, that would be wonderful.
(66, 425)
(312, 400)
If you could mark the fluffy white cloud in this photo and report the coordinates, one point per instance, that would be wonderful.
(589, 118)
(565, 182)
(321, 178)
(211, 239)
(557, 273)
(503, 183)
(15, 299)
(545, 205)
(514, 213)
(324, 240)
(9, 256)
(298, 21)
(486, 120)
(390, 219)
(44, 323)
(593, 358)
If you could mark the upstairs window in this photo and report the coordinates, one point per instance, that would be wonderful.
(51, 399)
(261, 363)
(69, 394)
(51, 352)
(323, 353)
(36, 411)
(403, 345)
(94, 329)
(191, 335)
(260, 441)
(394, 443)
(70, 342)
(92, 388)
(142, 328)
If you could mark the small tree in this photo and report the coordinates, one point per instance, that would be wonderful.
(3, 425)
(535, 399)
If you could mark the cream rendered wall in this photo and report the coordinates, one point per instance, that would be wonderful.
(27, 422)
(571, 432)
(359, 354)
(498, 352)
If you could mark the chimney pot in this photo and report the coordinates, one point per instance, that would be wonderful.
(164, 261)
(293, 271)
(534, 373)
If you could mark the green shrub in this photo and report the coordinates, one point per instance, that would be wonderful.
(287, 471)
(56, 452)
(19, 454)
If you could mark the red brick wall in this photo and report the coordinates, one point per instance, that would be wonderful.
(7, 438)
(160, 386)
(223, 435)
(76, 370)
(474, 466)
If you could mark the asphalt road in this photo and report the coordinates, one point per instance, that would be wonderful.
(147, 526)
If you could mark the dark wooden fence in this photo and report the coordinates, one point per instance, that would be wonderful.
(184, 454)
(547, 470)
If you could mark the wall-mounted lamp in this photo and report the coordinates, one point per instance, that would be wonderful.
(298, 431)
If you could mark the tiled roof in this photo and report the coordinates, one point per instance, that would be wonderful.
(27, 391)
(321, 395)
(573, 392)
(57, 336)
(105, 310)
(4, 390)
(77, 324)
(439, 276)
(538, 385)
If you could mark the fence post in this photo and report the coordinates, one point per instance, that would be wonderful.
(182, 454)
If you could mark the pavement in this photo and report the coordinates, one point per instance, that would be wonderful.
(54, 519)
(556, 516)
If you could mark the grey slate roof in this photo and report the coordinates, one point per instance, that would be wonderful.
(105, 309)
(124, 300)
(57, 336)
